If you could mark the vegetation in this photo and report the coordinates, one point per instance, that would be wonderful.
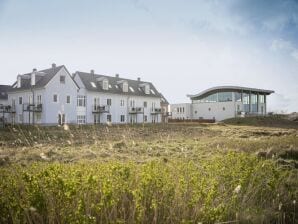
(175, 173)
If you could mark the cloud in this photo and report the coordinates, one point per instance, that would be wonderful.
(294, 54)
(281, 45)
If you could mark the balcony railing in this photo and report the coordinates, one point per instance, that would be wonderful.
(167, 114)
(156, 111)
(136, 110)
(32, 107)
(100, 109)
(7, 109)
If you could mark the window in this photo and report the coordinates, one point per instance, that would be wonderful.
(20, 100)
(116, 86)
(39, 99)
(182, 109)
(122, 118)
(261, 98)
(238, 97)
(196, 112)
(109, 102)
(223, 108)
(93, 84)
(125, 87)
(105, 84)
(145, 118)
(109, 118)
(110, 86)
(62, 79)
(122, 103)
(67, 99)
(209, 109)
(55, 98)
(81, 119)
(224, 96)
(131, 89)
(145, 104)
(132, 103)
(147, 89)
(152, 91)
(81, 101)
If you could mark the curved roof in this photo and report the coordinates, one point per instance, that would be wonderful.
(230, 88)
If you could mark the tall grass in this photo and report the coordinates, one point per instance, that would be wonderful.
(233, 186)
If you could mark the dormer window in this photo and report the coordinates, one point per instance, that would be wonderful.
(131, 89)
(152, 91)
(105, 84)
(147, 89)
(93, 84)
(125, 87)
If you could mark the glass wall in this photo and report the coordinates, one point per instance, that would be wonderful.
(225, 96)
(254, 103)
(246, 105)
(238, 97)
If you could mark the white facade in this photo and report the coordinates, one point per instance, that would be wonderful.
(116, 107)
(181, 111)
(52, 96)
(53, 103)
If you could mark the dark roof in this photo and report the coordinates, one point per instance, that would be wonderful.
(229, 88)
(42, 78)
(3, 91)
(87, 78)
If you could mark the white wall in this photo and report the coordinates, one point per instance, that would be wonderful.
(187, 114)
(53, 109)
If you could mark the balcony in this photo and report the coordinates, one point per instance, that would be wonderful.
(32, 107)
(156, 111)
(7, 109)
(96, 109)
(167, 114)
(136, 110)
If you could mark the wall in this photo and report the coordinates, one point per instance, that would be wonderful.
(187, 114)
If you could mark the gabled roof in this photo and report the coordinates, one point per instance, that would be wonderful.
(42, 78)
(114, 85)
(230, 88)
(3, 91)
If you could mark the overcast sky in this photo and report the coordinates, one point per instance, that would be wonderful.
(183, 47)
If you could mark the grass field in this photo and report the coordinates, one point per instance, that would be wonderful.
(168, 173)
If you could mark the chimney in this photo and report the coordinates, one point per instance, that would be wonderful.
(19, 81)
(34, 70)
(117, 75)
(139, 79)
(92, 71)
(33, 78)
(53, 65)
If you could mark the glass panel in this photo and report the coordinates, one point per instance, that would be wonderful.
(224, 96)
(237, 97)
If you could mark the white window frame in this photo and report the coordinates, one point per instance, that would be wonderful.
(81, 119)
(81, 101)
(68, 96)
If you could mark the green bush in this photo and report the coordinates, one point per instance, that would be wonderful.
(220, 188)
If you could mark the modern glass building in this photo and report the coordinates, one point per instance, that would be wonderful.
(224, 102)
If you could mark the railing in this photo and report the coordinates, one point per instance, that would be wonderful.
(7, 109)
(100, 109)
(136, 110)
(167, 114)
(32, 107)
(156, 111)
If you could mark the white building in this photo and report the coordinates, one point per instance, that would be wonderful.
(223, 102)
(115, 99)
(181, 111)
(6, 110)
(44, 97)
(53, 96)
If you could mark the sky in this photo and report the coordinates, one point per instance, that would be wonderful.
(182, 47)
